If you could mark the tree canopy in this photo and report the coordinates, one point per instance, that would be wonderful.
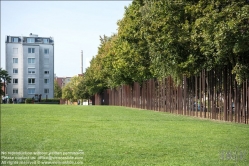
(156, 39)
(57, 90)
(4, 79)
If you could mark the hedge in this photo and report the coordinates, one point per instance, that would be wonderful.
(50, 100)
(29, 101)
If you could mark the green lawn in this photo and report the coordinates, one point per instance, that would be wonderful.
(119, 136)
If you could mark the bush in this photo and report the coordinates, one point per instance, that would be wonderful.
(50, 100)
(29, 101)
(21, 100)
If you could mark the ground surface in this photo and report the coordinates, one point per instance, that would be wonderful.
(105, 135)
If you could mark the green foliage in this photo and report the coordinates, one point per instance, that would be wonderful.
(82, 91)
(156, 39)
(29, 101)
(57, 90)
(219, 34)
(67, 92)
(167, 33)
(76, 89)
(4, 79)
(51, 100)
(78, 86)
(97, 76)
(132, 61)
(74, 81)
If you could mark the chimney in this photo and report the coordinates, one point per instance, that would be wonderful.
(33, 35)
(81, 61)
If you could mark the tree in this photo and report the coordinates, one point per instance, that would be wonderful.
(161, 38)
(220, 33)
(67, 92)
(131, 48)
(74, 86)
(75, 89)
(185, 38)
(97, 77)
(167, 31)
(82, 92)
(57, 90)
(4, 76)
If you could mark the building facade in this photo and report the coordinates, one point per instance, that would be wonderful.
(30, 63)
(62, 81)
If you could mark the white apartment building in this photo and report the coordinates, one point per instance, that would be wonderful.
(30, 63)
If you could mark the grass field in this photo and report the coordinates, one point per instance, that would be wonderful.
(117, 136)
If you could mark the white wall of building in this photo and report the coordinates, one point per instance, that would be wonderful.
(42, 70)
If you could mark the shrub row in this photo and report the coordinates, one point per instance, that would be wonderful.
(30, 100)
(50, 100)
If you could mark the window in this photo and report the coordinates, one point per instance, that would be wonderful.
(15, 81)
(15, 71)
(46, 81)
(46, 72)
(46, 51)
(31, 90)
(45, 40)
(31, 50)
(31, 60)
(15, 50)
(46, 60)
(30, 40)
(46, 90)
(15, 40)
(15, 60)
(31, 80)
(31, 70)
(15, 91)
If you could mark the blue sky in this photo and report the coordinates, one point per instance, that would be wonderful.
(75, 26)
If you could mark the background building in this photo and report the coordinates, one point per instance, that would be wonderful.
(30, 63)
(62, 81)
